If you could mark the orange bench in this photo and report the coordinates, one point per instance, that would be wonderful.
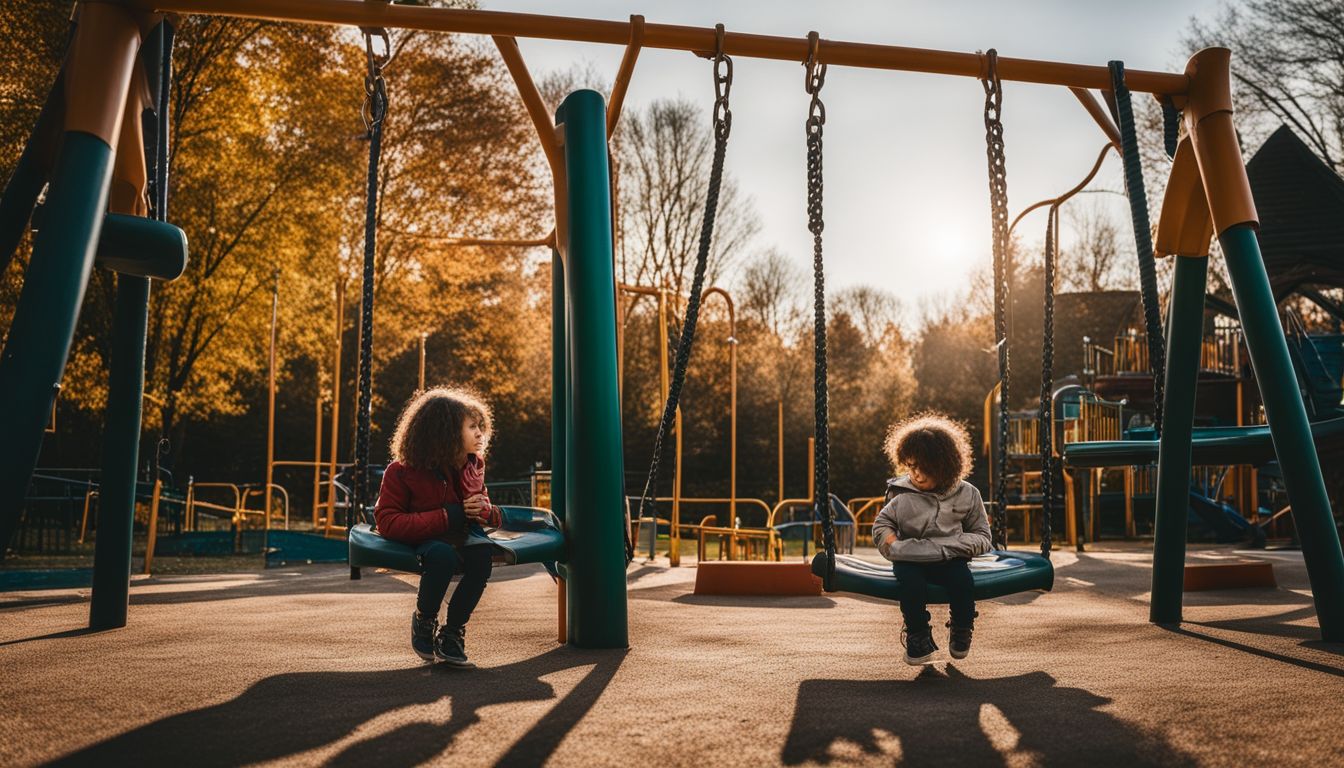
(1229, 575)
(755, 578)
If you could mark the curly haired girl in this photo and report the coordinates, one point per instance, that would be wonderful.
(933, 524)
(433, 498)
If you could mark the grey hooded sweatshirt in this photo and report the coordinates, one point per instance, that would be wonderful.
(926, 527)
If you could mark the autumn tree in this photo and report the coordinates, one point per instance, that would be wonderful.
(665, 154)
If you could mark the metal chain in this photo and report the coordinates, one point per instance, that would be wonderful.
(1143, 240)
(1171, 127)
(373, 111)
(1046, 425)
(998, 202)
(723, 120)
(814, 77)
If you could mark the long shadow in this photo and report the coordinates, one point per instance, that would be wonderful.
(52, 636)
(288, 714)
(1314, 666)
(1276, 624)
(941, 719)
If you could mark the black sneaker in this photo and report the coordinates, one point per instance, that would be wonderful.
(450, 646)
(422, 636)
(919, 646)
(959, 640)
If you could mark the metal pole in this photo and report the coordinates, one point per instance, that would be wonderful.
(780, 442)
(1185, 331)
(674, 521)
(1288, 425)
(423, 336)
(101, 62)
(673, 37)
(317, 450)
(270, 396)
(595, 504)
(121, 453)
(335, 401)
(663, 379)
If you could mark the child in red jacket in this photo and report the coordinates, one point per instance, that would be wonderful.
(433, 498)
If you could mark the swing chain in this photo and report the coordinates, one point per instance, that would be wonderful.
(998, 196)
(373, 112)
(1143, 240)
(723, 76)
(814, 78)
(1046, 425)
(723, 85)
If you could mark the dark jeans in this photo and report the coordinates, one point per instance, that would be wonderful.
(440, 561)
(954, 576)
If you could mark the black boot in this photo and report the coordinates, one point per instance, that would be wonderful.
(450, 646)
(422, 635)
(919, 645)
(959, 640)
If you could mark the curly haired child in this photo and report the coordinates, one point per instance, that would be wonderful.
(931, 527)
(433, 498)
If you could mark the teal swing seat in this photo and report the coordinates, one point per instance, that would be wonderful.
(527, 535)
(996, 574)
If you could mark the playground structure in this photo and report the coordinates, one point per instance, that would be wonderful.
(100, 89)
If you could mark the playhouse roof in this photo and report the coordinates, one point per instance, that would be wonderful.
(1301, 204)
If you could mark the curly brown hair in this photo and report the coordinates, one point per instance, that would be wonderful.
(429, 430)
(933, 442)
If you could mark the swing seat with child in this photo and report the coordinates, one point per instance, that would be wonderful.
(527, 535)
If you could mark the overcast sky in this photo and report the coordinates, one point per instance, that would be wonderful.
(906, 195)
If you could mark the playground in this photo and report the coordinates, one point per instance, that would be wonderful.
(1136, 487)
(210, 676)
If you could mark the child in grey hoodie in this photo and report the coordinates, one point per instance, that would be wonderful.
(933, 524)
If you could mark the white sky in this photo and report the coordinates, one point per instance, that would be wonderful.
(906, 193)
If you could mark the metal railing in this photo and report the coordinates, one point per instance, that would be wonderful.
(1128, 353)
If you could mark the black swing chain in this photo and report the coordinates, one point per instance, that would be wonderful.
(1171, 127)
(723, 121)
(373, 111)
(814, 77)
(1046, 423)
(998, 199)
(1143, 240)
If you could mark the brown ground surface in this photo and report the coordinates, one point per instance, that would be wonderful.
(303, 666)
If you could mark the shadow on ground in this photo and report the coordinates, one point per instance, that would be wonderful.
(288, 714)
(952, 719)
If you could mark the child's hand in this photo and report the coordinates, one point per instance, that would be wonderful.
(477, 508)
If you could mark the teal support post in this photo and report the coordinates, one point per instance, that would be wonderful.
(121, 454)
(594, 468)
(1288, 426)
(559, 385)
(1185, 332)
(44, 320)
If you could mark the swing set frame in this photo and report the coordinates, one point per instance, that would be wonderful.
(99, 108)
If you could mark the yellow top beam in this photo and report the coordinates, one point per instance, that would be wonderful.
(669, 36)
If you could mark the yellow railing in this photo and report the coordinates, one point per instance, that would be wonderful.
(238, 512)
(701, 529)
(1219, 353)
(1097, 419)
(862, 506)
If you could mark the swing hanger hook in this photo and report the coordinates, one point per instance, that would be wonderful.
(375, 87)
(723, 84)
(814, 69)
(814, 77)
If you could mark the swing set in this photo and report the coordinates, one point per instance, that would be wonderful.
(95, 107)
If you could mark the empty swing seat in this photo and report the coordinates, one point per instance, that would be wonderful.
(527, 535)
(996, 574)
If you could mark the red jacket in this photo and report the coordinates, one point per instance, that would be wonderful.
(411, 502)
